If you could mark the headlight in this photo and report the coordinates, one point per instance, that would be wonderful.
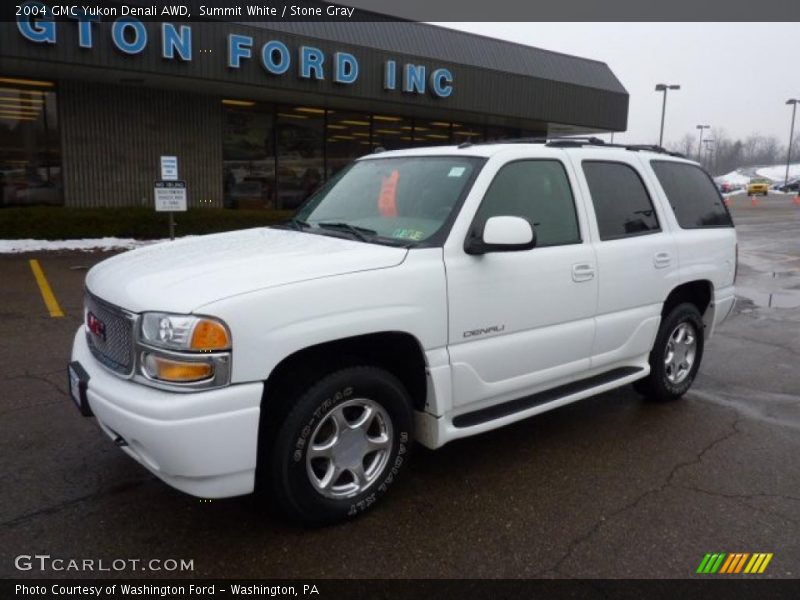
(184, 332)
(183, 352)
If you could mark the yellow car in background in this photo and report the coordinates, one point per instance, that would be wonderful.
(758, 186)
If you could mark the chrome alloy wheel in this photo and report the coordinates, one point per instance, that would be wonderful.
(349, 448)
(681, 352)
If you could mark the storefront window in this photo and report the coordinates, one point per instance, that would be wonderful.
(391, 132)
(301, 164)
(30, 156)
(494, 134)
(347, 138)
(467, 133)
(276, 156)
(431, 133)
(248, 151)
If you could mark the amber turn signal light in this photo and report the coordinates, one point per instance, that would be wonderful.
(210, 335)
(166, 369)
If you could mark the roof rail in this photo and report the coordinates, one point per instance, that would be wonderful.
(575, 142)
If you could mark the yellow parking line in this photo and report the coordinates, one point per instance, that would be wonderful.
(44, 287)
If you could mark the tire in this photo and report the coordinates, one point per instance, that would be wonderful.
(666, 381)
(309, 446)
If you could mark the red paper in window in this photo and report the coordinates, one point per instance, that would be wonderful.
(387, 201)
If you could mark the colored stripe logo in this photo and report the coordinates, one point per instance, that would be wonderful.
(734, 562)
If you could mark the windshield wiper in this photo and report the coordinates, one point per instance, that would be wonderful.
(360, 233)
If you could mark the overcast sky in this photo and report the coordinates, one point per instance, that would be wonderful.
(736, 76)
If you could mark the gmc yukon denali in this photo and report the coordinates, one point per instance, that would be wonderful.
(419, 295)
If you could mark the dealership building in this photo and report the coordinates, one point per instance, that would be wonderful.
(259, 114)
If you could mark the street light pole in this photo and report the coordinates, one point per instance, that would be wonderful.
(709, 152)
(664, 87)
(700, 143)
(793, 102)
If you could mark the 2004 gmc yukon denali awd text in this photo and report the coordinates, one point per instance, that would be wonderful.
(424, 295)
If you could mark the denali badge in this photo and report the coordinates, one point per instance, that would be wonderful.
(96, 326)
(484, 331)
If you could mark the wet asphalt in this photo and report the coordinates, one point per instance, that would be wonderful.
(612, 486)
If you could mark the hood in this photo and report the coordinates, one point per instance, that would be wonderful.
(184, 275)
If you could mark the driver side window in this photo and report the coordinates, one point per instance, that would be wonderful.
(539, 191)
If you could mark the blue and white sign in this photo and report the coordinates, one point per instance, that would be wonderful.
(276, 58)
(169, 168)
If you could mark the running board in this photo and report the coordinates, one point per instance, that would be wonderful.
(505, 409)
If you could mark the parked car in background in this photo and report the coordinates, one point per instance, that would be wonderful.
(758, 185)
(793, 185)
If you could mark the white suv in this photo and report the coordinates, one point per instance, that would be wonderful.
(425, 294)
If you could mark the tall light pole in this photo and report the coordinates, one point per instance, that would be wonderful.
(794, 102)
(664, 87)
(700, 143)
(709, 144)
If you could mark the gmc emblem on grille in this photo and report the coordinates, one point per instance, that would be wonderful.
(96, 326)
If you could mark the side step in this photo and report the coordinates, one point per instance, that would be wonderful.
(520, 404)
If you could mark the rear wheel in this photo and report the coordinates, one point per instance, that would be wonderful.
(342, 445)
(676, 355)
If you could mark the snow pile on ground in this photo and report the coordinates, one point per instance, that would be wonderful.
(734, 178)
(108, 243)
(774, 173)
(778, 172)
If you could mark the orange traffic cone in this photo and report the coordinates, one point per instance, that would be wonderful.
(797, 199)
(753, 201)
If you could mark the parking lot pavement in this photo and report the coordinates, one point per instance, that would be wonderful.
(609, 487)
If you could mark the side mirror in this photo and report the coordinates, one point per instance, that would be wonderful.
(503, 234)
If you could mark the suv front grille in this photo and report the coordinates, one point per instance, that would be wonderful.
(115, 348)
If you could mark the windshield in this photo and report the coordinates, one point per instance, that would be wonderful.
(402, 200)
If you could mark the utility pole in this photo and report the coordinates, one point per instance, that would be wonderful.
(709, 153)
(793, 102)
(700, 143)
(664, 88)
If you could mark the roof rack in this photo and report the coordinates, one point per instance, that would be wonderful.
(576, 142)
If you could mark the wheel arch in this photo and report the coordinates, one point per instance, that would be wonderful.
(699, 292)
(398, 352)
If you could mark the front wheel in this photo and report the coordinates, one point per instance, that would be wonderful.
(676, 355)
(342, 445)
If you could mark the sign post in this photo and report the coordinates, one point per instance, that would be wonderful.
(170, 197)
(170, 193)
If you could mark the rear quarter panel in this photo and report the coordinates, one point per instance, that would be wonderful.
(707, 253)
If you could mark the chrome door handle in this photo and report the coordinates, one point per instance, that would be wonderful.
(661, 260)
(582, 272)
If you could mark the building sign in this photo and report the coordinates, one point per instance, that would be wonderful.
(170, 196)
(130, 37)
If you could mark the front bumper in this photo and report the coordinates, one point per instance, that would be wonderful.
(202, 443)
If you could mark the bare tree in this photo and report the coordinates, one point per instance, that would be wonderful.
(725, 154)
(686, 146)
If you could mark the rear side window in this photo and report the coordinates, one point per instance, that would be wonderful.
(621, 202)
(539, 191)
(692, 194)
